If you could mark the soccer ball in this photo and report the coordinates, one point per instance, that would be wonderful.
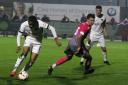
(23, 75)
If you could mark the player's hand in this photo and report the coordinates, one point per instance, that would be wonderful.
(57, 42)
(18, 49)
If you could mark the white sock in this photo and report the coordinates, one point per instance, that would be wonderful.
(104, 56)
(18, 62)
(23, 69)
(54, 65)
(82, 59)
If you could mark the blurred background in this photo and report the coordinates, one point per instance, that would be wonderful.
(64, 15)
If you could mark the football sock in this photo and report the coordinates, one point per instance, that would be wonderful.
(88, 62)
(54, 65)
(27, 66)
(82, 59)
(61, 60)
(18, 62)
(104, 56)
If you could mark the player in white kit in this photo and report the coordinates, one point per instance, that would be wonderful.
(97, 34)
(34, 29)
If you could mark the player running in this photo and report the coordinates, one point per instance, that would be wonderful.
(34, 29)
(97, 34)
(75, 46)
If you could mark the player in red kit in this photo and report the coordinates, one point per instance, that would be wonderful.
(76, 46)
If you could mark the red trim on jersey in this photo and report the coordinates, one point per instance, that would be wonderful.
(82, 28)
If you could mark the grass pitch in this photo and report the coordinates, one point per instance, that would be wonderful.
(69, 73)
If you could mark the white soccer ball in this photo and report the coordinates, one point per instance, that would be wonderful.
(23, 75)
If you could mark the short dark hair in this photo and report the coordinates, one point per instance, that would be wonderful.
(34, 21)
(32, 18)
(90, 16)
(98, 7)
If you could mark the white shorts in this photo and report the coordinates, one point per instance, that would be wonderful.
(33, 44)
(99, 39)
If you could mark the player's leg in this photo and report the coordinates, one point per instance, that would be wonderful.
(103, 49)
(88, 61)
(33, 57)
(80, 54)
(19, 60)
(26, 49)
(30, 62)
(82, 61)
(89, 44)
(104, 53)
(69, 55)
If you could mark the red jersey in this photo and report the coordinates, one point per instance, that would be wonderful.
(83, 29)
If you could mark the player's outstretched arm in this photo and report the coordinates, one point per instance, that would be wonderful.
(21, 30)
(18, 42)
(54, 35)
(105, 32)
(104, 28)
(57, 41)
(18, 49)
(52, 29)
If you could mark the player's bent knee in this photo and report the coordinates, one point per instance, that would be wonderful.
(88, 57)
(69, 57)
(25, 54)
(31, 63)
(104, 50)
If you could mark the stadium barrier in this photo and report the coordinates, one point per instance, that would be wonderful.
(64, 30)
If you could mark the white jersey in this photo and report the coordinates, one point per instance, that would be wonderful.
(97, 28)
(96, 34)
(37, 35)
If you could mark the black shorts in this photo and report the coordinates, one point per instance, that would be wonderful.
(82, 53)
(72, 49)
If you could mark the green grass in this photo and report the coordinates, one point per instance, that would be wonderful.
(69, 73)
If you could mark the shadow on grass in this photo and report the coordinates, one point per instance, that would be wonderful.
(61, 79)
(13, 81)
(99, 66)
(80, 69)
(66, 79)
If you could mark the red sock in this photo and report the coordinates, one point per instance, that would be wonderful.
(61, 60)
